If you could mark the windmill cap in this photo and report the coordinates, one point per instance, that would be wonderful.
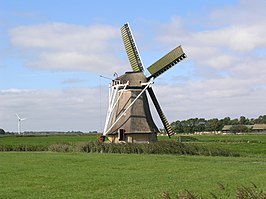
(135, 79)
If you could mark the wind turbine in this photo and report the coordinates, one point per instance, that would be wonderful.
(19, 120)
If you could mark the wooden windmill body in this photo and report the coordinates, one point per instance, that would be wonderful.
(128, 117)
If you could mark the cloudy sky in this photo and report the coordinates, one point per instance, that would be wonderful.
(53, 52)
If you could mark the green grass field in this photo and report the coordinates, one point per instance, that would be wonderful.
(94, 175)
(247, 145)
(46, 139)
(86, 175)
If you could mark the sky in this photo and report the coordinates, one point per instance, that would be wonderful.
(52, 54)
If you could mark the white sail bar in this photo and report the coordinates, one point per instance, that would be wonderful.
(113, 101)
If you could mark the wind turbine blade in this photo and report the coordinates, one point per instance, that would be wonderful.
(163, 118)
(17, 116)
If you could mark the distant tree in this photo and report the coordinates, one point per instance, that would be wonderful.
(252, 121)
(244, 121)
(199, 125)
(213, 125)
(225, 121)
(239, 129)
(177, 127)
(2, 131)
(262, 119)
(234, 122)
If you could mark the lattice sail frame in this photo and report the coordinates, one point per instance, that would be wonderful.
(166, 62)
(131, 48)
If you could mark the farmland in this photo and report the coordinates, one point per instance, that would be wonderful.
(96, 175)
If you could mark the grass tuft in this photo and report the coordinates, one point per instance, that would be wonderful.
(251, 192)
(243, 192)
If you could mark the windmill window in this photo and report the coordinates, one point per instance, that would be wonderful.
(121, 134)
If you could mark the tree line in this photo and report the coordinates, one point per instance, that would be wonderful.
(200, 124)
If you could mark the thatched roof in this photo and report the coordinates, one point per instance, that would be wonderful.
(253, 127)
(227, 127)
(259, 127)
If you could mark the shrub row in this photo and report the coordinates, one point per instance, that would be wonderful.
(23, 147)
(161, 147)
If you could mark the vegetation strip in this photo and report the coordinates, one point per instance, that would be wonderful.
(232, 145)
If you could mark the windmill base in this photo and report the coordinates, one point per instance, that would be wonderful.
(133, 138)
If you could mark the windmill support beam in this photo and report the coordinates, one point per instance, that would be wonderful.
(112, 95)
(112, 103)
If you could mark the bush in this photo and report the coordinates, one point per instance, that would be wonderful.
(23, 147)
(60, 148)
(161, 147)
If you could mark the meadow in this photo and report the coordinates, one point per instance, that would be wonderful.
(46, 139)
(42, 142)
(94, 175)
(99, 175)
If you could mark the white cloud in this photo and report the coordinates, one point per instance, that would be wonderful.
(72, 109)
(210, 99)
(228, 59)
(61, 46)
(243, 37)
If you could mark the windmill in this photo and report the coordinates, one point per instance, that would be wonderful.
(19, 121)
(128, 117)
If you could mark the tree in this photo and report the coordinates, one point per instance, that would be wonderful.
(234, 122)
(200, 124)
(239, 129)
(177, 127)
(243, 121)
(213, 125)
(2, 131)
(261, 119)
(225, 121)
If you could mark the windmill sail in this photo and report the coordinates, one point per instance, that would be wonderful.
(166, 62)
(131, 49)
(165, 122)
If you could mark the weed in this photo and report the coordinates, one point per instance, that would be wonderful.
(243, 192)
(251, 192)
